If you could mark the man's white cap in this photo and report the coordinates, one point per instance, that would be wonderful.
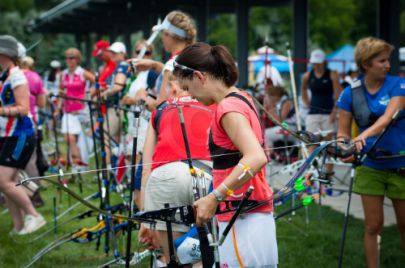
(22, 51)
(55, 64)
(118, 47)
(317, 56)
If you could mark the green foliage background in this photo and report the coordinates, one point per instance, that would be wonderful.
(331, 24)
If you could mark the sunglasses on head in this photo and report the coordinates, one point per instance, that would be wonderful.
(182, 69)
(147, 53)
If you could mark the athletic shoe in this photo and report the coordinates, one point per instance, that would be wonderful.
(31, 224)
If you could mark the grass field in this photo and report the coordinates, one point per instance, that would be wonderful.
(315, 244)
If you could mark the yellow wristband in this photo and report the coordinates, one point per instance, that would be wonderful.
(228, 191)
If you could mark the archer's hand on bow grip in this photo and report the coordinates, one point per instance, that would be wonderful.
(205, 209)
(346, 152)
(309, 136)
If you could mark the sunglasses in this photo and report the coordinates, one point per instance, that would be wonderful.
(147, 53)
(182, 70)
(70, 58)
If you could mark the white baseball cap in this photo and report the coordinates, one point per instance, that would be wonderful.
(55, 64)
(317, 56)
(22, 51)
(118, 47)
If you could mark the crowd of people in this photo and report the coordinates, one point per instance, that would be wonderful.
(223, 128)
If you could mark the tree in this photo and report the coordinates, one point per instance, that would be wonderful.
(20, 6)
(271, 23)
(331, 23)
(222, 31)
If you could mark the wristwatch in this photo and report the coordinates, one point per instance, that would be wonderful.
(218, 196)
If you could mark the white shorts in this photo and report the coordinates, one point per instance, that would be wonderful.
(318, 122)
(71, 124)
(256, 242)
(172, 184)
(273, 134)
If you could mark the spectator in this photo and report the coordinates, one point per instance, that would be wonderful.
(17, 139)
(376, 178)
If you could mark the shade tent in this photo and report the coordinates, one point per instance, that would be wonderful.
(278, 61)
(342, 59)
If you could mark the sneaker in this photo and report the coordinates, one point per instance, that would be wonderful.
(31, 224)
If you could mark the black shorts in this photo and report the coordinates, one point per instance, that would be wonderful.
(11, 156)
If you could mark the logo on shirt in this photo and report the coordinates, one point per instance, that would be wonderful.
(384, 100)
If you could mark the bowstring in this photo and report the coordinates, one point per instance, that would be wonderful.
(165, 162)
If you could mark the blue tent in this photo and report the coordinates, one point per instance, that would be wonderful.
(342, 59)
(277, 61)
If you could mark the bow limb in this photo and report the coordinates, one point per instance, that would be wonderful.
(278, 123)
(60, 241)
(38, 237)
(81, 200)
(83, 235)
(69, 209)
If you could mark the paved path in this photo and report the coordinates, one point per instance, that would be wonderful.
(338, 203)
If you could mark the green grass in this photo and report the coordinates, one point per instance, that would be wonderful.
(300, 245)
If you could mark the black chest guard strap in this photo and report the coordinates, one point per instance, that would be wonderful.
(158, 115)
(362, 114)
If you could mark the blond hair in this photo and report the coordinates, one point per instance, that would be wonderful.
(144, 43)
(367, 49)
(74, 52)
(27, 62)
(184, 22)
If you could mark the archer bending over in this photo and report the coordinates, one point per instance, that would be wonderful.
(236, 146)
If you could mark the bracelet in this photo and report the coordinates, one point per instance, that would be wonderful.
(218, 196)
(246, 169)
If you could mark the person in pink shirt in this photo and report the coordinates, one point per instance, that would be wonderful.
(73, 84)
(37, 101)
(37, 97)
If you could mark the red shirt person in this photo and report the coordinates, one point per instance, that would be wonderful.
(165, 177)
(103, 54)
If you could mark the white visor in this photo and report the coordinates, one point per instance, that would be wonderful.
(167, 26)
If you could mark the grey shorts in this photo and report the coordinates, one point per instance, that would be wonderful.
(318, 122)
(172, 184)
(113, 124)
